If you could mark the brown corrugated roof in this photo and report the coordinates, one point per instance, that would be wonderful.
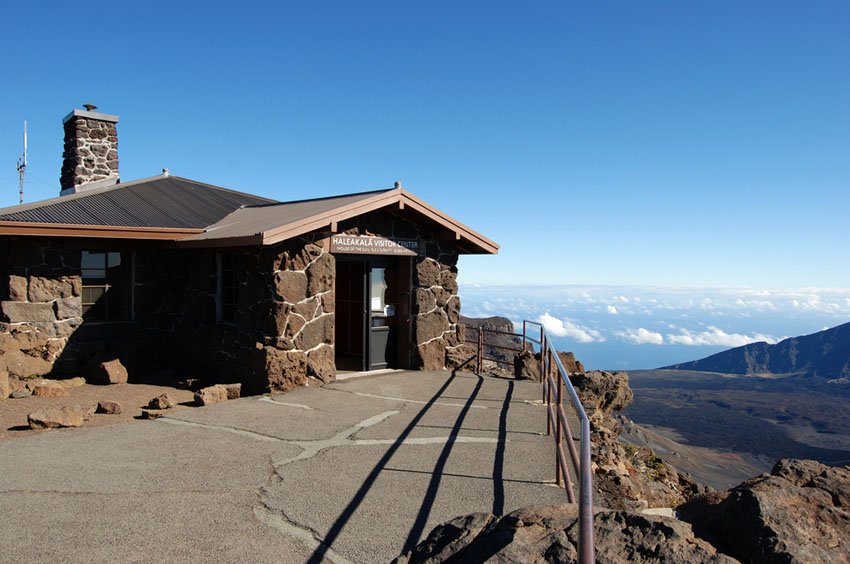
(201, 215)
(272, 223)
(159, 201)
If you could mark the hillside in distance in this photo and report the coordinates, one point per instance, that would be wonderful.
(825, 354)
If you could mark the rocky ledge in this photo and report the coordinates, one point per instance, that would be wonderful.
(798, 513)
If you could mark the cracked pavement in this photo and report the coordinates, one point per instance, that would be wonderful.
(355, 471)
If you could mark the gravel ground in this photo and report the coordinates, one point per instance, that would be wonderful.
(132, 397)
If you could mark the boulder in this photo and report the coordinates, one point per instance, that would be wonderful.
(233, 390)
(68, 416)
(163, 401)
(22, 365)
(527, 366)
(22, 393)
(604, 391)
(49, 389)
(211, 395)
(73, 382)
(109, 407)
(5, 385)
(550, 534)
(110, 372)
(797, 513)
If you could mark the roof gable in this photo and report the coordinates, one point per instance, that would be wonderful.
(273, 223)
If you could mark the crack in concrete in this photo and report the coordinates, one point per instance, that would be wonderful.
(234, 430)
(267, 399)
(278, 520)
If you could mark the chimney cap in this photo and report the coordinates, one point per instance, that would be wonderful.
(90, 107)
(165, 172)
(397, 184)
(89, 115)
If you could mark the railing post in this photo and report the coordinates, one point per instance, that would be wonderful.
(558, 429)
(480, 350)
(524, 328)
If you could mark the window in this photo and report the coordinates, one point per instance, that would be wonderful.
(106, 286)
(226, 288)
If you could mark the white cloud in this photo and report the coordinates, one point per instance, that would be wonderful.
(566, 328)
(612, 310)
(641, 336)
(714, 336)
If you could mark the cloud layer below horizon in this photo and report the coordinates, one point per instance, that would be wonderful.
(668, 320)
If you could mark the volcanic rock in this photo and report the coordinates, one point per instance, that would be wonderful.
(110, 372)
(109, 407)
(211, 395)
(68, 416)
(797, 513)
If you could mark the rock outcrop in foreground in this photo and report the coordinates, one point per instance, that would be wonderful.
(799, 513)
(550, 534)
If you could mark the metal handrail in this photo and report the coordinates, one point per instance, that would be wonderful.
(557, 420)
(555, 413)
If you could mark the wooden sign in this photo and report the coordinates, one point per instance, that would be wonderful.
(368, 245)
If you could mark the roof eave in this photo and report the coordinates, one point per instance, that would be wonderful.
(32, 229)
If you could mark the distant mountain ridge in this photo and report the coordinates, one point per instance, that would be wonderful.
(825, 354)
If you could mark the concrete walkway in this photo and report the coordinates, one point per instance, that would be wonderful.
(355, 471)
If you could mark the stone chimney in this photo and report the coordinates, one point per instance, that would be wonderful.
(91, 150)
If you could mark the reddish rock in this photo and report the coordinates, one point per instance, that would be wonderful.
(527, 366)
(283, 370)
(109, 407)
(798, 513)
(432, 355)
(68, 416)
(315, 333)
(550, 534)
(163, 401)
(461, 357)
(604, 391)
(291, 286)
(427, 273)
(424, 300)
(321, 363)
(49, 389)
(5, 385)
(448, 280)
(48, 289)
(16, 312)
(110, 372)
(430, 326)
(17, 288)
(211, 395)
(321, 274)
(233, 390)
(66, 308)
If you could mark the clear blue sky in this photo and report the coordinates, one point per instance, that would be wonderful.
(667, 143)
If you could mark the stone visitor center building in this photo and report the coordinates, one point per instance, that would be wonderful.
(182, 279)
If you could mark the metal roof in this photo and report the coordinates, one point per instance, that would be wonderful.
(193, 214)
(257, 220)
(159, 201)
(271, 223)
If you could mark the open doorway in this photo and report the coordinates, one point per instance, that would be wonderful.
(372, 328)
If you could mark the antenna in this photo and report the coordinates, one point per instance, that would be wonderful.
(22, 164)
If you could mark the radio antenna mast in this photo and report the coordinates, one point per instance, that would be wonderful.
(22, 164)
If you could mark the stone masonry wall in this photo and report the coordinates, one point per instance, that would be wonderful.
(40, 303)
(90, 152)
(297, 347)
